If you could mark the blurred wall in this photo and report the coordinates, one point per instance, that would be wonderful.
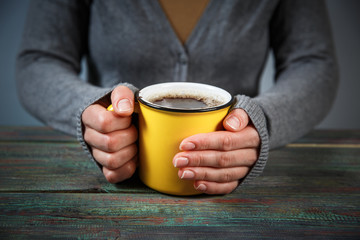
(12, 19)
(344, 17)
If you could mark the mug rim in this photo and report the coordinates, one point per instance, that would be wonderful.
(142, 100)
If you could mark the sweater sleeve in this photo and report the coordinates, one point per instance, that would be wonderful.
(306, 78)
(48, 64)
(258, 119)
(306, 71)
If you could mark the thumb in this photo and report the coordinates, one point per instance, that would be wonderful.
(122, 99)
(236, 120)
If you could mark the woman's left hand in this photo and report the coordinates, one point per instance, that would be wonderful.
(216, 161)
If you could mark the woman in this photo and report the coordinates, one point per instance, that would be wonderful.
(131, 44)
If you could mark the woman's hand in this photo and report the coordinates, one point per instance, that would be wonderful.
(218, 160)
(111, 135)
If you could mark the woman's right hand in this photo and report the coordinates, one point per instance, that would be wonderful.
(112, 136)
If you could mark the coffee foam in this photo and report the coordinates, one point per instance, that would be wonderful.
(209, 98)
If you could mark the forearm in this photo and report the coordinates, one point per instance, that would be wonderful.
(300, 99)
(52, 91)
(306, 71)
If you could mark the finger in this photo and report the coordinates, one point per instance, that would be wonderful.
(222, 140)
(236, 120)
(116, 159)
(213, 174)
(215, 188)
(122, 99)
(217, 159)
(111, 142)
(122, 173)
(101, 120)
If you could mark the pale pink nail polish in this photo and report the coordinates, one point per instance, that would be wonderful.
(124, 105)
(233, 122)
(201, 187)
(187, 146)
(181, 162)
(188, 175)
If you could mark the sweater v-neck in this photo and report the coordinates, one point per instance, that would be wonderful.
(196, 32)
(183, 15)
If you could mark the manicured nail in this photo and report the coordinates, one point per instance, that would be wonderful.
(181, 162)
(188, 175)
(187, 146)
(124, 105)
(233, 122)
(201, 187)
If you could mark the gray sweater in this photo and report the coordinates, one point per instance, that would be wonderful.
(132, 43)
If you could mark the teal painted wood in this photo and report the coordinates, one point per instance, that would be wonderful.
(38, 166)
(54, 167)
(154, 215)
(42, 134)
(49, 189)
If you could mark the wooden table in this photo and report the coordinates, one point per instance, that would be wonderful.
(49, 189)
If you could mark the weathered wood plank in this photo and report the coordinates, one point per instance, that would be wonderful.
(64, 167)
(137, 215)
(51, 167)
(49, 189)
(24, 133)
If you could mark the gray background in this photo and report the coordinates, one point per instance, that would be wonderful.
(344, 17)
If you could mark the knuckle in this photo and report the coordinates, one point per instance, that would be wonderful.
(110, 177)
(227, 142)
(204, 176)
(111, 161)
(198, 160)
(224, 160)
(131, 167)
(103, 123)
(127, 153)
(226, 177)
(110, 143)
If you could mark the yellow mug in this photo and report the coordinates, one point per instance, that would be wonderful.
(163, 127)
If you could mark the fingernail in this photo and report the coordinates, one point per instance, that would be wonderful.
(188, 175)
(187, 146)
(233, 122)
(124, 105)
(181, 162)
(201, 187)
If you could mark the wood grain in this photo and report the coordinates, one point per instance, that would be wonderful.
(113, 215)
(50, 189)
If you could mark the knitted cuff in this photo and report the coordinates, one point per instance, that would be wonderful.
(258, 119)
